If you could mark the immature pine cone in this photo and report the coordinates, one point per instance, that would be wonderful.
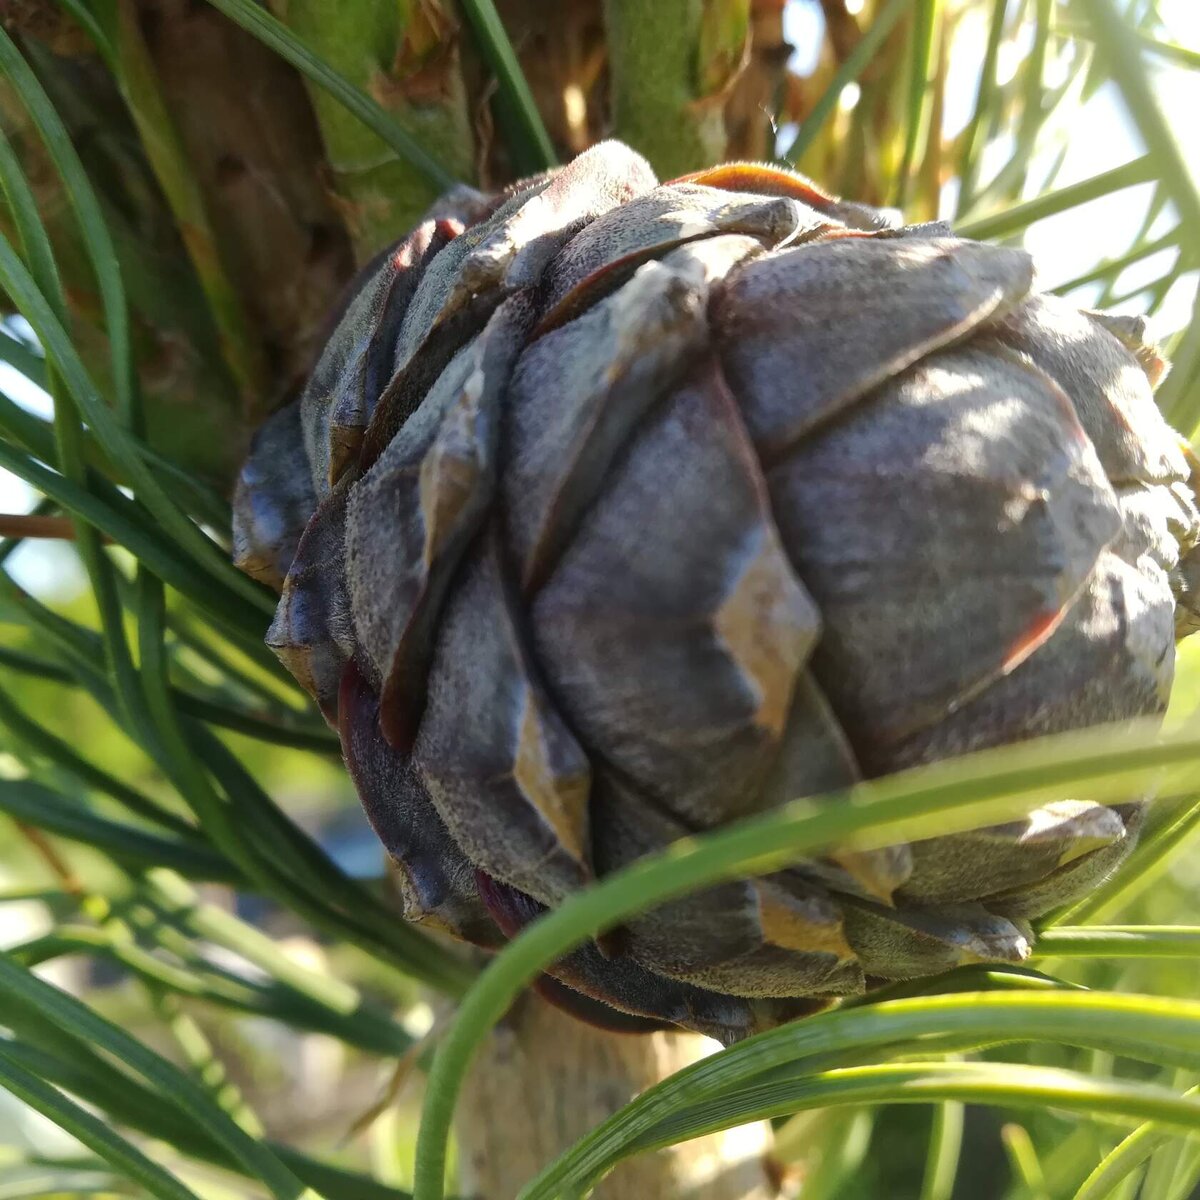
(615, 511)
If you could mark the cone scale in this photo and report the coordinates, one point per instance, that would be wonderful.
(615, 511)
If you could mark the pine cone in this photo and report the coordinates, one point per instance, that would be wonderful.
(615, 511)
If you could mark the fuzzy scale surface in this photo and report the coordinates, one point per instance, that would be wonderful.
(615, 511)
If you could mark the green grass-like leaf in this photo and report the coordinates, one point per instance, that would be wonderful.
(527, 137)
(273, 33)
(963, 793)
(1123, 1159)
(122, 1155)
(1120, 941)
(82, 1024)
(1131, 75)
(31, 803)
(1011, 1084)
(922, 36)
(945, 1150)
(175, 671)
(849, 72)
(759, 1070)
(1021, 216)
(74, 1067)
(134, 72)
(92, 225)
(114, 441)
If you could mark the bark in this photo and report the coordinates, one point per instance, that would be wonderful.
(244, 184)
(564, 56)
(756, 95)
(672, 66)
(544, 1079)
(239, 197)
(408, 58)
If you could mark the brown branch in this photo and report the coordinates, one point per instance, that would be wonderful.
(46, 851)
(31, 525)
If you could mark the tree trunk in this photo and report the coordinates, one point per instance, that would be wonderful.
(240, 195)
(544, 1079)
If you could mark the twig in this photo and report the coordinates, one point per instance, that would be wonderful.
(33, 525)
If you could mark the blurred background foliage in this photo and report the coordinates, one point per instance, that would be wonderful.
(187, 189)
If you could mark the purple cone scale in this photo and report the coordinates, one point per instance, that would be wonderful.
(615, 511)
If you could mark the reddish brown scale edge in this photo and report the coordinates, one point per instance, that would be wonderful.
(408, 386)
(447, 227)
(504, 906)
(596, 1012)
(355, 694)
(601, 283)
(607, 994)
(409, 267)
(1039, 630)
(762, 179)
